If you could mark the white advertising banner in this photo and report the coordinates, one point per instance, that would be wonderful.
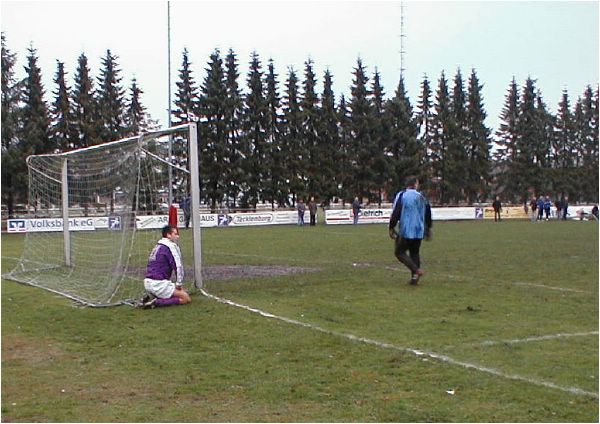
(381, 216)
(259, 218)
(150, 222)
(223, 220)
(468, 212)
(366, 216)
(37, 225)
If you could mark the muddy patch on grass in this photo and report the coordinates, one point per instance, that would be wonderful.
(28, 350)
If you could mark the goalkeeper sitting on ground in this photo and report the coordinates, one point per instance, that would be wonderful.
(164, 259)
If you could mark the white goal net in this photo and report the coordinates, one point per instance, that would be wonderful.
(95, 214)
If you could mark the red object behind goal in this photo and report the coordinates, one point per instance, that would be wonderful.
(173, 216)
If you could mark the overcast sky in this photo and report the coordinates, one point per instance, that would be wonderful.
(555, 43)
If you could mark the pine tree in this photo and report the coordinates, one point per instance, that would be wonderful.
(456, 171)
(542, 149)
(564, 144)
(444, 127)
(479, 144)
(35, 134)
(363, 145)
(84, 106)
(233, 127)
(345, 158)
(10, 98)
(277, 191)
(186, 96)
(309, 109)
(137, 119)
(292, 136)
(589, 131)
(254, 140)
(526, 171)
(13, 160)
(63, 133)
(185, 111)
(212, 109)
(329, 144)
(425, 139)
(506, 140)
(380, 131)
(564, 150)
(405, 153)
(110, 100)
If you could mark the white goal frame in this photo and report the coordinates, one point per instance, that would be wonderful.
(62, 182)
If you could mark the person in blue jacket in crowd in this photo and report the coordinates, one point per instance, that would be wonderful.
(540, 208)
(412, 210)
(547, 207)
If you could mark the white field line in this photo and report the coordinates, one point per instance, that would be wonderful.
(536, 338)
(519, 283)
(433, 355)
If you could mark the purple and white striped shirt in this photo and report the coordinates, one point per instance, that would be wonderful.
(164, 259)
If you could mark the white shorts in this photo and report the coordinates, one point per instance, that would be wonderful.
(163, 289)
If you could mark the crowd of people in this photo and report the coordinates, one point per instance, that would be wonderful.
(543, 208)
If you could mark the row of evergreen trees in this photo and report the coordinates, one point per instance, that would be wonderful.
(260, 144)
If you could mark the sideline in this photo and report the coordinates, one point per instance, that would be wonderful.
(433, 355)
(536, 338)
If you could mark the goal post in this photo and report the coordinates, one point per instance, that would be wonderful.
(195, 199)
(65, 211)
(95, 213)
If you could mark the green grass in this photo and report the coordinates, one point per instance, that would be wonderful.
(486, 285)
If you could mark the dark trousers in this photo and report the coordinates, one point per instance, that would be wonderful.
(497, 216)
(412, 260)
(313, 219)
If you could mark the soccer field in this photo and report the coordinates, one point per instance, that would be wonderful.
(503, 327)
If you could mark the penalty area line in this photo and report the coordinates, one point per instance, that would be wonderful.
(417, 352)
(536, 338)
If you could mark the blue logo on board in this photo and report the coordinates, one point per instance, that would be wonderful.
(114, 222)
(16, 226)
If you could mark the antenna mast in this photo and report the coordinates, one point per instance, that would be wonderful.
(170, 144)
(402, 38)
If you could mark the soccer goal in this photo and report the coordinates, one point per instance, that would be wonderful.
(95, 214)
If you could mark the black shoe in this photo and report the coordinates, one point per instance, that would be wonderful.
(147, 297)
(414, 280)
(151, 304)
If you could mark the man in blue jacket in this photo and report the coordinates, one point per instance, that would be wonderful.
(164, 259)
(413, 212)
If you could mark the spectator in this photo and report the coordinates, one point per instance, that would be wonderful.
(356, 207)
(301, 207)
(497, 205)
(565, 207)
(547, 207)
(540, 208)
(533, 206)
(186, 204)
(312, 209)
